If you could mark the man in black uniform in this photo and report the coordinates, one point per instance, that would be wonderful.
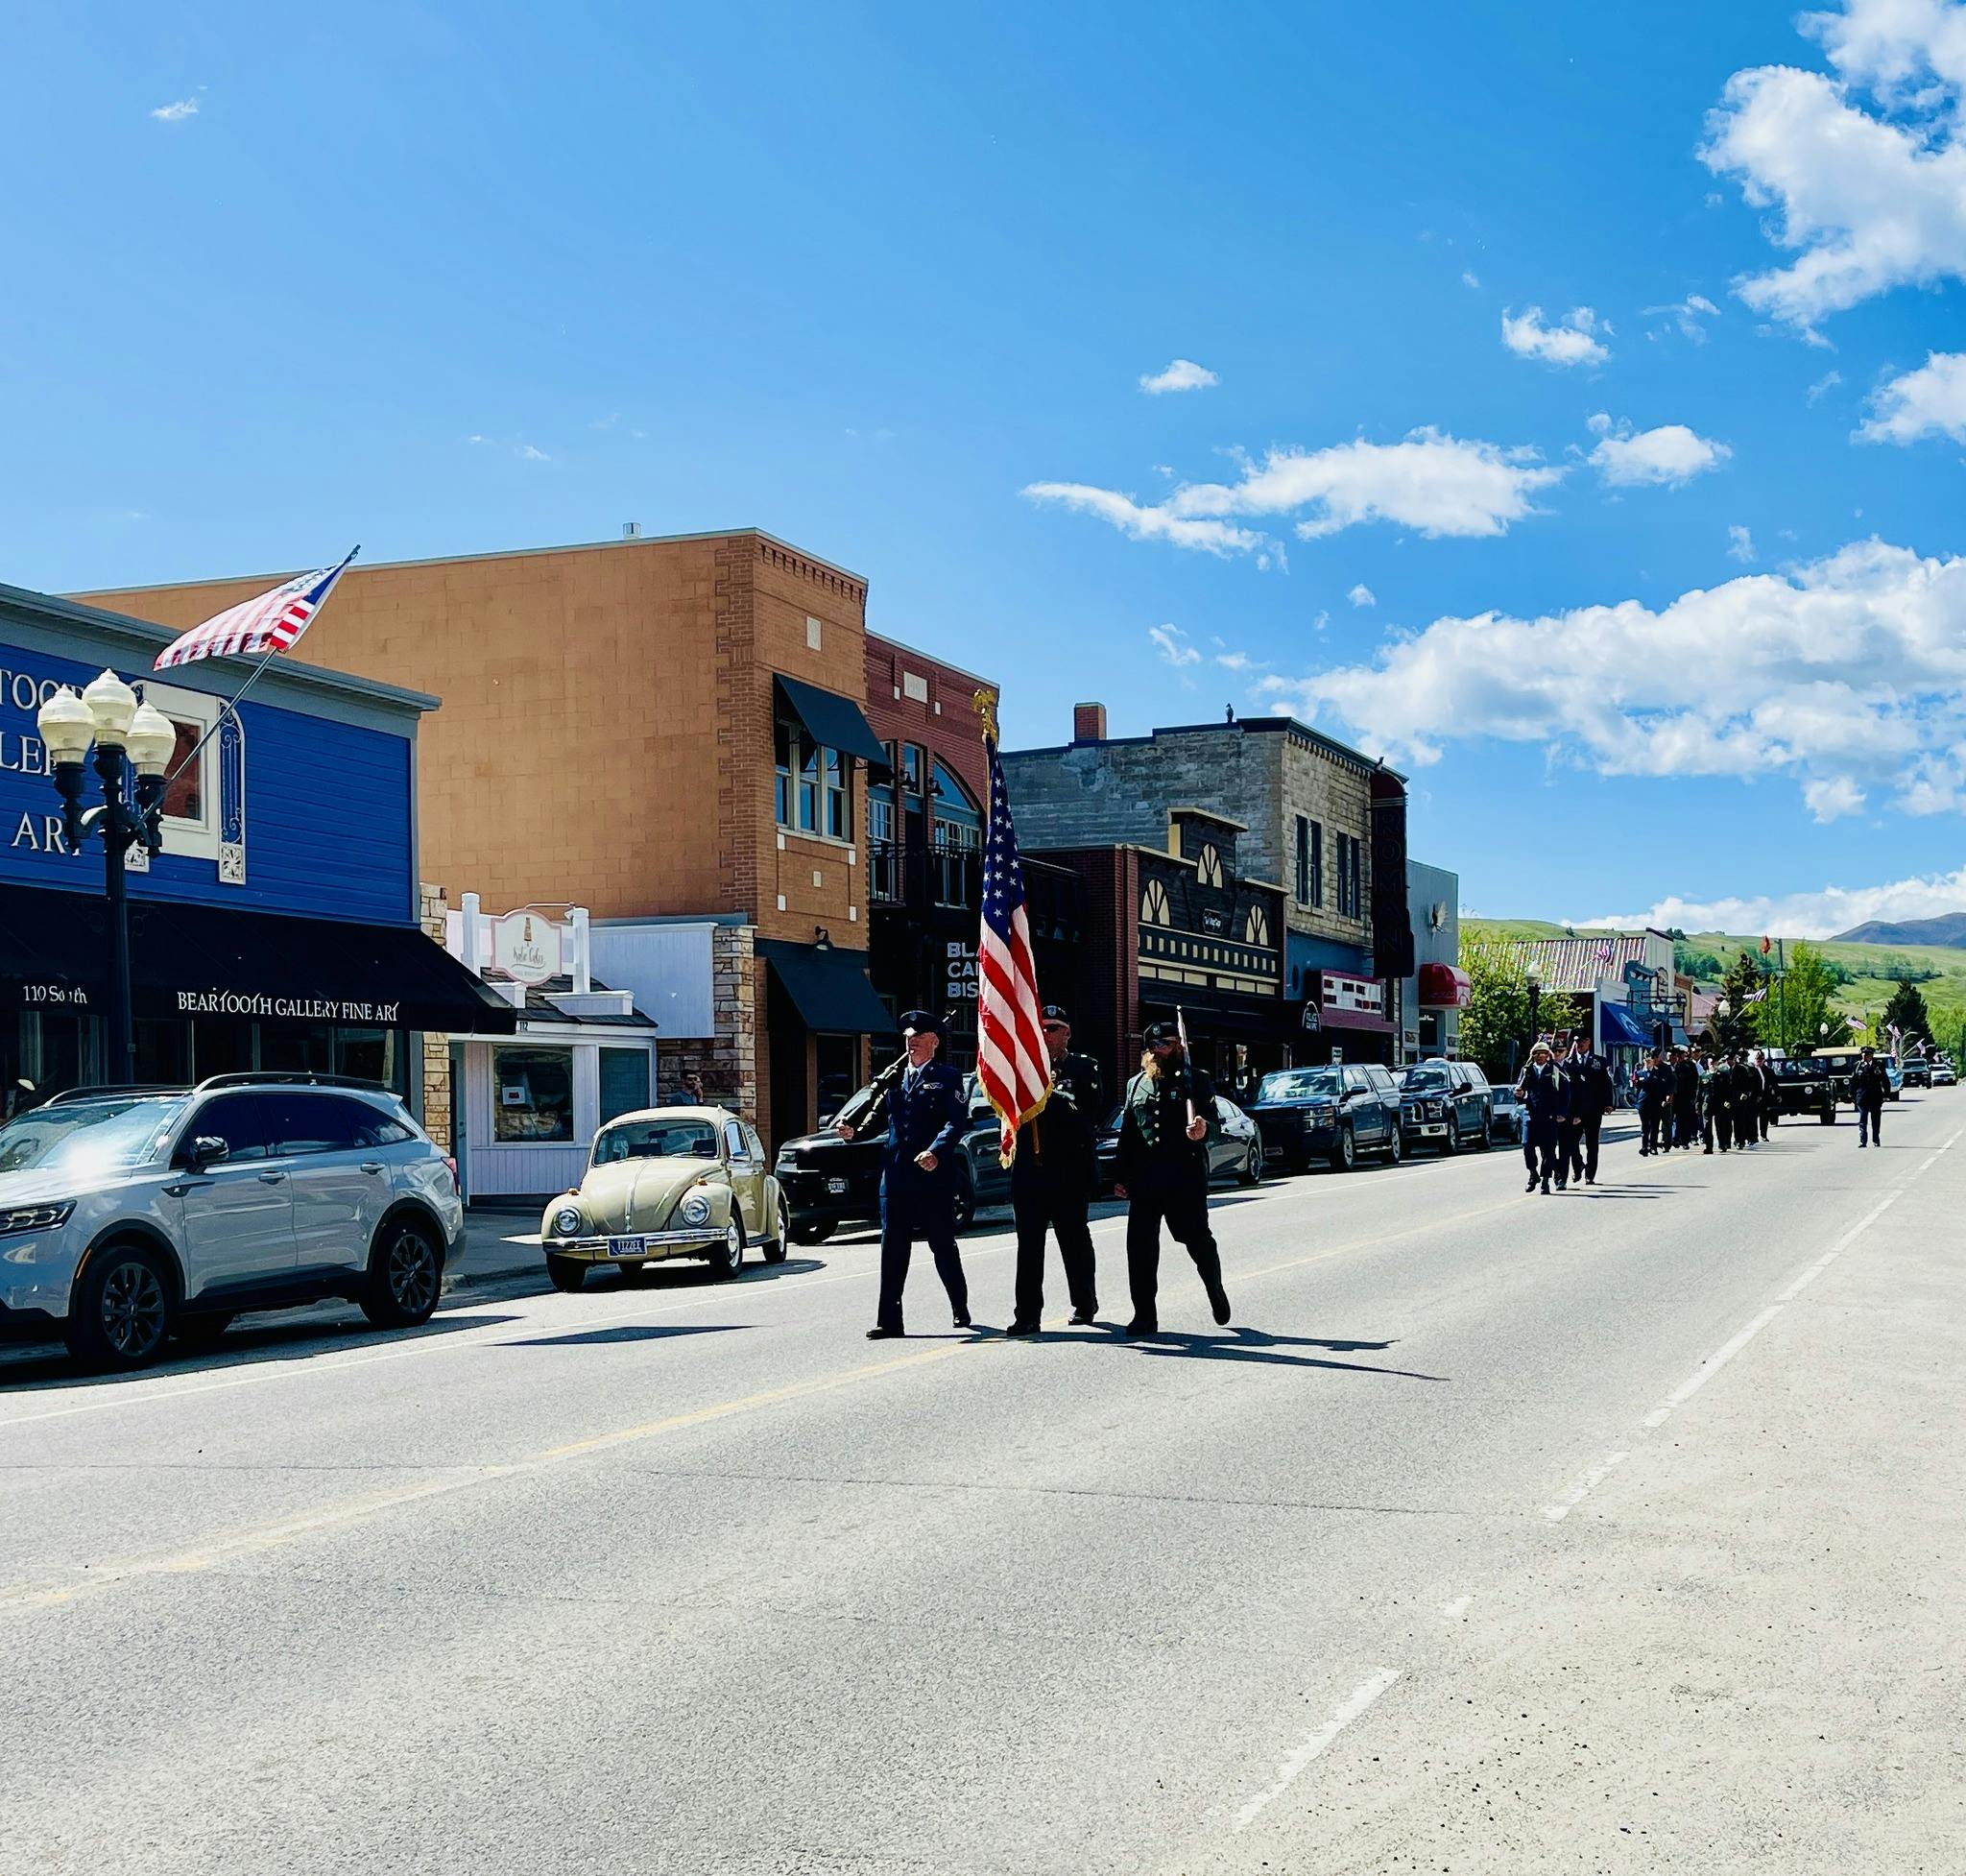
(1591, 1096)
(1052, 1181)
(1655, 1104)
(1747, 1102)
(1545, 1095)
(926, 1117)
(1720, 1101)
(1163, 1173)
(1685, 1099)
(1869, 1087)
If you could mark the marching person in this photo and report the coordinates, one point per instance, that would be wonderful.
(1052, 1175)
(1720, 1103)
(1747, 1102)
(1652, 1095)
(1869, 1087)
(1685, 1099)
(1771, 1092)
(1163, 1173)
(1591, 1095)
(1543, 1094)
(926, 1117)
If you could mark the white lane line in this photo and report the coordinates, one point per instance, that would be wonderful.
(1556, 1513)
(1348, 1710)
(1927, 1165)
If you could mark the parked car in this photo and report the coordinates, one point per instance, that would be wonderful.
(1506, 1113)
(1917, 1071)
(1802, 1085)
(1944, 1075)
(1235, 1150)
(829, 1182)
(1446, 1104)
(1337, 1112)
(130, 1216)
(662, 1183)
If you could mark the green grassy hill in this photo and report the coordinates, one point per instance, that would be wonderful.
(1873, 967)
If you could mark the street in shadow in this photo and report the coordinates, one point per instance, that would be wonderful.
(626, 1331)
(1241, 1345)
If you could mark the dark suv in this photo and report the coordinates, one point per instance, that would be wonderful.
(829, 1182)
(1338, 1114)
(1446, 1104)
(1803, 1085)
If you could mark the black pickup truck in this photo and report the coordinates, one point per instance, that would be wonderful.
(829, 1182)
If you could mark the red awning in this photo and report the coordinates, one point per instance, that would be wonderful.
(1443, 987)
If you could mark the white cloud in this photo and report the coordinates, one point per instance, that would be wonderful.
(1173, 645)
(1469, 279)
(1834, 796)
(529, 454)
(1436, 483)
(477, 438)
(1849, 670)
(1865, 168)
(1362, 595)
(1741, 544)
(1824, 385)
(1929, 402)
(1671, 455)
(176, 114)
(1805, 914)
(1685, 313)
(1571, 343)
(1182, 375)
(1148, 521)
(1237, 660)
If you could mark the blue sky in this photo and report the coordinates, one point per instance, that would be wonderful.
(888, 281)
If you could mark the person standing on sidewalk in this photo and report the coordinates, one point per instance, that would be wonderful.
(926, 1117)
(1052, 1181)
(1546, 1105)
(1869, 1087)
(1163, 1173)
(1591, 1095)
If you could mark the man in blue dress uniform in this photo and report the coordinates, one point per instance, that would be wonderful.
(925, 1117)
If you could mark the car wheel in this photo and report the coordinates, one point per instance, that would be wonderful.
(565, 1273)
(202, 1330)
(963, 1208)
(405, 1276)
(1487, 1140)
(1345, 1154)
(121, 1312)
(1452, 1143)
(1395, 1147)
(1251, 1173)
(811, 1233)
(728, 1258)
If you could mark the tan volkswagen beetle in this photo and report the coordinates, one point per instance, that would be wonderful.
(667, 1182)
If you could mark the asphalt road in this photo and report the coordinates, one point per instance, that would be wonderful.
(1620, 1530)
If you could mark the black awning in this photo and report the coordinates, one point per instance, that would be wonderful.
(828, 988)
(831, 720)
(210, 960)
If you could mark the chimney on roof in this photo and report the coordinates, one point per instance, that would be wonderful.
(1089, 723)
(631, 530)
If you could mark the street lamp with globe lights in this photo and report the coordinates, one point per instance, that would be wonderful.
(127, 734)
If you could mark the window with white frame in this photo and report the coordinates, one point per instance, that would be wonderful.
(812, 786)
(191, 799)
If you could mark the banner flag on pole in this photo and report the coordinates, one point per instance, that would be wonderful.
(256, 628)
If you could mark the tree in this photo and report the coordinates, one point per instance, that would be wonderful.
(1801, 1003)
(1738, 1025)
(1906, 1011)
(1704, 965)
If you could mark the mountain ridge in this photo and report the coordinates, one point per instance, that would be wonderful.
(1947, 928)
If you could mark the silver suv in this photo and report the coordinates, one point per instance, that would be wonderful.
(129, 1216)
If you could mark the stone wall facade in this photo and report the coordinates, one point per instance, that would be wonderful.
(734, 1063)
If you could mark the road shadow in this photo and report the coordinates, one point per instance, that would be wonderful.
(1239, 1345)
(626, 1331)
(660, 1277)
(39, 1367)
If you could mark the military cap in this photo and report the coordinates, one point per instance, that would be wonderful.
(1055, 1013)
(920, 1023)
(1157, 1035)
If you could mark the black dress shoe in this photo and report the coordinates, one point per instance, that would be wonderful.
(1140, 1326)
(1021, 1329)
(1218, 1302)
(1085, 1319)
(1531, 1186)
(885, 1334)
(963, 1320)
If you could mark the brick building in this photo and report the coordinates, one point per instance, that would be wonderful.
(1324, 824)
(655, 727)
(925, 825)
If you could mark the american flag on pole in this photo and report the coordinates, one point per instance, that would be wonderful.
(1013, 1066)
(273, 622)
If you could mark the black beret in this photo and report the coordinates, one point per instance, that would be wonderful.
(1055, 1013)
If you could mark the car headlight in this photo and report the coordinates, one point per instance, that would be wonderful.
(567, 1221)
(695, 1208)
(35, 1217)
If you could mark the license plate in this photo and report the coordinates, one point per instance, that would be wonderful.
(627, 1246)
(836, 1185)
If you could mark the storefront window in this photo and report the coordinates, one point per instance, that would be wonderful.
(369, 1053)
(532, 1094)
(624, 1082)
(163, 1049)
(297, 1048)
(837, 1059)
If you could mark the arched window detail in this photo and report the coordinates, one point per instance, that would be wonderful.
(957, 840)
(1257, 930)
(1153, 907)
(1210, 865)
